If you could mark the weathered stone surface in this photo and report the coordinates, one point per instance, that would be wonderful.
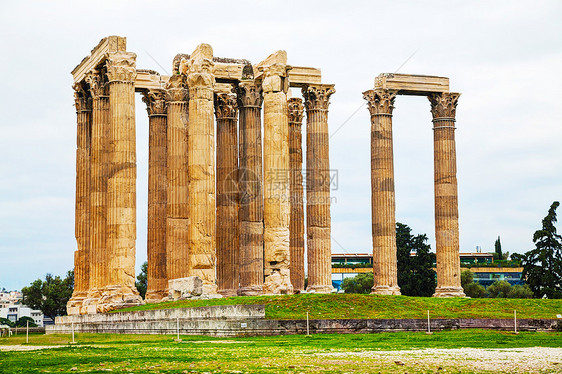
(385, 270)
(177, 265)
(317, 100)
(443, 109)
(201, 167)
(276, 179)
(296, 225)
(408, 84)
(185, 288)
(157, 277)
(228, 236)
(250, 98)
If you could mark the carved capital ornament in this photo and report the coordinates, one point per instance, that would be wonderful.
(317, 97)
(97, 81)
(225, 106)
(82, 99)
(155, 101)
(380, 102)
(249, 94)
(176, 89)
(121, 67)
(444, 105)
(296, 111)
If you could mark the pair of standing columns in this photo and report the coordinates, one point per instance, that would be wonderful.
(443, 108)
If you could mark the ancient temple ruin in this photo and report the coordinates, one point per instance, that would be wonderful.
(443, 108)
(225, 202)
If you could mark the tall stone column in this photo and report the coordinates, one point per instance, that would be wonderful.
(99, 91)
(318, 227)
(381, 104)
(276, 181)
(250, 214)
(176, 179)
(201, 167)
(83, 105)
(443, 109)
(228, 249)
(121, 185)
(157, 277)
(296, 224)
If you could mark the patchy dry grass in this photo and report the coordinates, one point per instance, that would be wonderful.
(364, 353)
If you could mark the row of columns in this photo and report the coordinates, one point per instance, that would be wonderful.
(248, 240)
(443, 109)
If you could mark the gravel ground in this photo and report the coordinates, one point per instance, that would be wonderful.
(513, 360)
(8, 348)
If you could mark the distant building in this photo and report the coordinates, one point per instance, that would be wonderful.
(12, 309)
(350, 265)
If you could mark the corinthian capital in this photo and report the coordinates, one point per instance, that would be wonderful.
(225, 106)
(155, 101)
(296, 110)
(176, 89)
(317, 96)
(200, 77)
(82, 99)
(99, 86)
(275, 78)
(444, 105)
(121, 67)
(249, 94)
(380, 101)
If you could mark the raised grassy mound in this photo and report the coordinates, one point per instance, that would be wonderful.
(343, 306)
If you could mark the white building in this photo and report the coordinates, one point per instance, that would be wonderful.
(11, 309)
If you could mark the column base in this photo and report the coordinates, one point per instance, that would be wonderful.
(90, 304)
(75, 304)
(320, 289)
(385, 290)
(250, 291)
(118, 297)
(278, 283)
(228, 293)
(449, 292)
(156, 296)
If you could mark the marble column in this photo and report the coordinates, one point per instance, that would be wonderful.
(296, 224)
(157, 278)
(176, 179)
(276, 181)
(318, 227)
(99, 145)
(228, 249)
(83, 105)
(385, 271)
(443, 109)
(250, 185)
(201, 168)
(121, 184)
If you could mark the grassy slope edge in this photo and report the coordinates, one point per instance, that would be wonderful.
(343, 306)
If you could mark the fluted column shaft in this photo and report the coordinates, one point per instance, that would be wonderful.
(121, 185)
(228, 250)
(443, 109)
(381, 104)
(177, 248)
(98, 186)
(82, 205)
(276, 182)
(250, 185)
(296, 224)
(157, 279)
(201, 168)
(318, 227)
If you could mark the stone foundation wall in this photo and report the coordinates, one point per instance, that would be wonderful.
(249, 320)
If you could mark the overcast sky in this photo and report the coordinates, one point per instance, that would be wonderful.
(505, 57)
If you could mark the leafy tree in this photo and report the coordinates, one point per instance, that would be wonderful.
(7, 322)
(520, 292)
(22, 322)
(542, 266)
(51, 295)
(142, 280)
(499, 288)
(416, 276)
(471, 288)
(361, 283)
(498, 255)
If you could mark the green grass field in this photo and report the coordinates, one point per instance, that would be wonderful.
(335, 306)
(97, 353)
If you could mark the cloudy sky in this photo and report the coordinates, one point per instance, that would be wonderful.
(505, 57)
